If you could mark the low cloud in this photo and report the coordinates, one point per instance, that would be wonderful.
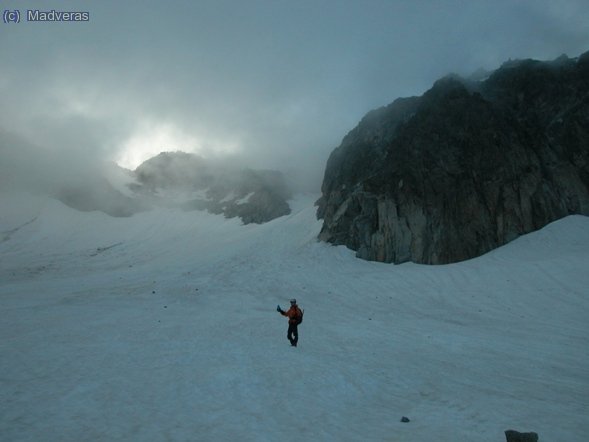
(266, 84)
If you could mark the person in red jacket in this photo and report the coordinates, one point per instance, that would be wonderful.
(295, 317)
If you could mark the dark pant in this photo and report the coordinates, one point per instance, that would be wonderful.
(293, 334)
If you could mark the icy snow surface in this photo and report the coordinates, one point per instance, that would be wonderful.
(163, 327)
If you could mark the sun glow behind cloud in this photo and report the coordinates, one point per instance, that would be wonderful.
(151, 139)
(268, 84)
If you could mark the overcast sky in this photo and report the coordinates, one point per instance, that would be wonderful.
(276, 84)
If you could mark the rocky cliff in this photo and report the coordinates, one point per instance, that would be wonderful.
(465, 168)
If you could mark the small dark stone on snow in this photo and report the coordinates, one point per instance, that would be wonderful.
(516, 436)
(153, 291)
(405, 419)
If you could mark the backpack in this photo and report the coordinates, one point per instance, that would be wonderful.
(299, 317)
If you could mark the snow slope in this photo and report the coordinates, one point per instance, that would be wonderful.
(162, 327)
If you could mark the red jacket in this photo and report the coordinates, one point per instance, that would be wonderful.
(293, 313)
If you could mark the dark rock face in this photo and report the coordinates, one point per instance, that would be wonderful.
(262, 196)
(465, 168)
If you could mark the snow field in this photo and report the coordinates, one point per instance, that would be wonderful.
(163, 326)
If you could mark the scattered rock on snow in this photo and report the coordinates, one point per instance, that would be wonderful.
(516, 436)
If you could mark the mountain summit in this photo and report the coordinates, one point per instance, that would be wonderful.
(465, 168)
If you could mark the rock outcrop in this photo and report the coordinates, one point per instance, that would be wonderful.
(465, 168)
(516, 436)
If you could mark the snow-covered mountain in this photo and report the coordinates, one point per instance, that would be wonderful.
(170, 179)
(162, 326)
(189, 181)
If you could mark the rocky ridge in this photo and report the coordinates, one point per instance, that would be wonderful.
(465, 168)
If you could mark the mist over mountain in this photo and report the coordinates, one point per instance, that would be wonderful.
(186, 181)
(193, 183)
(465, 168)
(170, 179)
